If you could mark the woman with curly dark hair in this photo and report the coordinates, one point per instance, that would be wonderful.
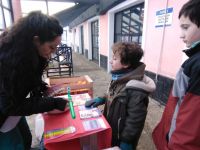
(24, 52)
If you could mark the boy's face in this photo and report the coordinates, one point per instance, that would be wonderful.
(190, 33)
(116, 62)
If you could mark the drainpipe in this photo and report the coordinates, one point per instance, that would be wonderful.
(162, 45)
(47, 7)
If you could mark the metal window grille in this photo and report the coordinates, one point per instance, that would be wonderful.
(61, 62)
(128, 24)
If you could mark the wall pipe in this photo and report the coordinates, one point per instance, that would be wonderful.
(162, 44)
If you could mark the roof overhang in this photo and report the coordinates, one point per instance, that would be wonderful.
(83, 10)
(68, 15)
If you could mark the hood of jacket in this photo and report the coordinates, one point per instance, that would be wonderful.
(146, 84)
(135, 79)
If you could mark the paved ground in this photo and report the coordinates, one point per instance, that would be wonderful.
(101, 80)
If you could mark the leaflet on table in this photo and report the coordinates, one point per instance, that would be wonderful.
(94, 124)
(89, 113)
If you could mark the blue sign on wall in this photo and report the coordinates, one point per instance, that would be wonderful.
(164, 17)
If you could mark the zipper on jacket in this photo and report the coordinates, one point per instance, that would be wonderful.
(118, 123)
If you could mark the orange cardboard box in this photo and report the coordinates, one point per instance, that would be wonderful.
(77, 84)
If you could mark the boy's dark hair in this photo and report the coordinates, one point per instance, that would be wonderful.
(130, 53)
(191, 9)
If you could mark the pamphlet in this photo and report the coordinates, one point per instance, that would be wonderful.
(94, 124)
(89, 113)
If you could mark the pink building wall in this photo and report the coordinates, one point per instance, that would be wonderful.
(163, 59)
(103, 35)
(16, 9)
(162, 45)
(85, 33)
(75, 38)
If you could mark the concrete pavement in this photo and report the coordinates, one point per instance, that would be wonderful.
(101, 79)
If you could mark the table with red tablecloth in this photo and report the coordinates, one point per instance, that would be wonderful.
(76, 140)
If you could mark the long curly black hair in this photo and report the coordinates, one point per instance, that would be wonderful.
(17, 50)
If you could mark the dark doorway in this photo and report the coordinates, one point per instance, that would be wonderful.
(95, 41)
(82, 40)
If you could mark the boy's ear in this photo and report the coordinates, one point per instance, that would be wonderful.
(36, 40)
(126, 66)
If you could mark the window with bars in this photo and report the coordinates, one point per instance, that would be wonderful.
(128, 24)
(6, 15)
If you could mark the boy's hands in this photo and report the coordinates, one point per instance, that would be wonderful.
(95, 102)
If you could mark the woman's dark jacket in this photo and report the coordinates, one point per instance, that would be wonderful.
(126, 107)
(21, 86)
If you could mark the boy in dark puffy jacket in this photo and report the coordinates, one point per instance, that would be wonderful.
(127, 99)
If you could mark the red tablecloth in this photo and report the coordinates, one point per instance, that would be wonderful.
(73, 140)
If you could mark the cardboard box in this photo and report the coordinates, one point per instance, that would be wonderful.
(77, 84)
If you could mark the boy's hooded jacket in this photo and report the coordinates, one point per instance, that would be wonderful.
(179, 128)
(126, 107)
